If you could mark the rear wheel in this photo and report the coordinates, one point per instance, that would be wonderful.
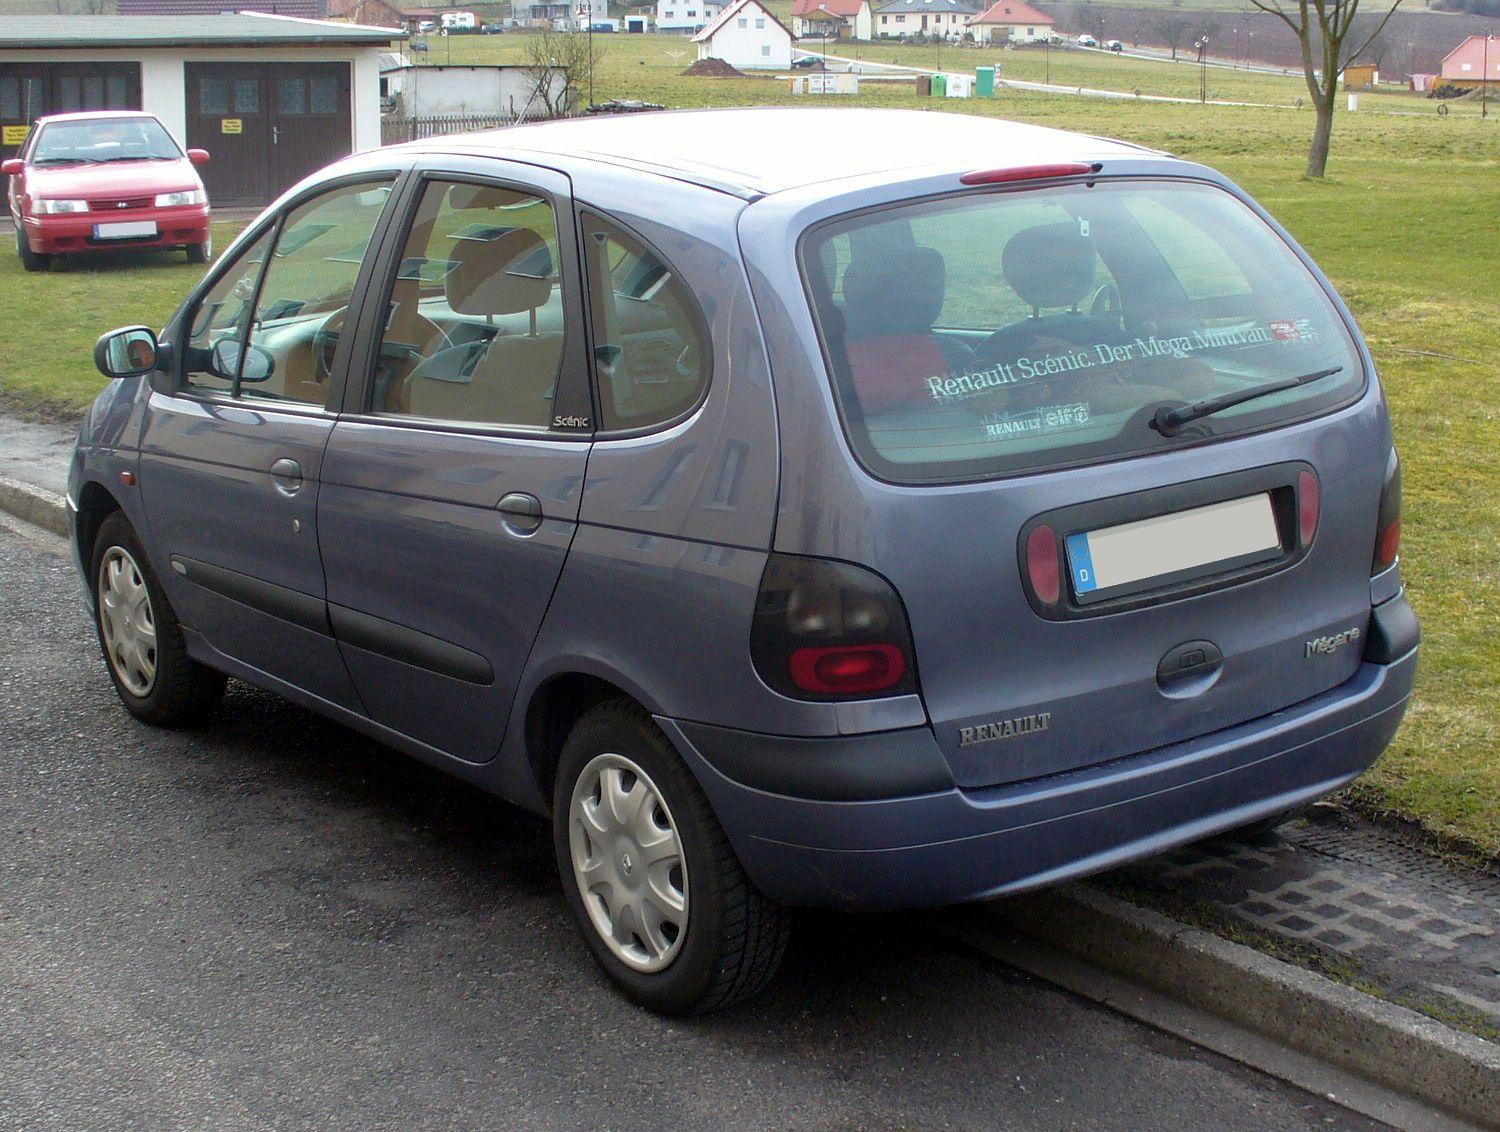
(201, 253)
(30, 260)
(140, 635)
(652, 881)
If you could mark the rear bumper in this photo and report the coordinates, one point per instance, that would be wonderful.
(60, 235)
(945, 846)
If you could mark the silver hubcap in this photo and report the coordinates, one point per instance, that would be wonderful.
(628, 861)
(127, 621)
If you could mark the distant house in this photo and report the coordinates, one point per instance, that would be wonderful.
(1473, 63)
(746, 35)
(686, 17)
(833, 19)
(940, 19)
(1361, 76)
(510, 90)
(1009, 21)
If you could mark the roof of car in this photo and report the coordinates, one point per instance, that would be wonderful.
(755, 151)
(94, 115)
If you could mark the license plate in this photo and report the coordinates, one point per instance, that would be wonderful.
(1114, 559)
(125, 230)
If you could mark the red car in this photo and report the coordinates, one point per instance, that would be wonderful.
(106, 180)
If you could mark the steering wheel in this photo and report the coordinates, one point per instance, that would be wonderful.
(1012, 341)
(1106, 302)
(325, 342)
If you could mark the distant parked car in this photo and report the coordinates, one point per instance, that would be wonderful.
(794, 587)
(492, 29)
(1114, 45)
(807, 62)
(102, 180)
(1087, 41)
(603, 26)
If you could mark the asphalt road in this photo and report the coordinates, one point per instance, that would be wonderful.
(274, 923)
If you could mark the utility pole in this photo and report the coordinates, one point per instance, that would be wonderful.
(1484, 83)
(1202, 46)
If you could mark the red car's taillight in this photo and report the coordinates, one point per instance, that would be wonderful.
(826, 630)
(1388, 521)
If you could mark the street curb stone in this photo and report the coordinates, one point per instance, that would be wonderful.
(34, 505)
(1386, 1043)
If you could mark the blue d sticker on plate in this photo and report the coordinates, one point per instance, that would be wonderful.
(1081, 563)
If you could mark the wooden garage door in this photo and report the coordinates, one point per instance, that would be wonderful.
(266, 125)
(30, 90)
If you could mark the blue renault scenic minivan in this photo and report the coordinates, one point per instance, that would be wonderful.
(862, 509)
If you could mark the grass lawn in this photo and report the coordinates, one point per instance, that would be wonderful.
(1404, 225)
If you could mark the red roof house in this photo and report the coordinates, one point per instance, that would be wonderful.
(1010, 20)
(1474, 61)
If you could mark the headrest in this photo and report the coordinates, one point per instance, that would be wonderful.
(889, 294)
(499, 271)
(1051, 265)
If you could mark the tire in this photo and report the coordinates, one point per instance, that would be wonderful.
(201, 253)
(733, 939)
(140, 637)
(30, 260)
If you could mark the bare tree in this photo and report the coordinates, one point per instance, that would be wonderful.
(1323, 27)
(1170, 27)
(562, 66)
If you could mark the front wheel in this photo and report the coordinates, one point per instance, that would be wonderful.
(653, 883)
(141, 638)
(30, 260)
(201, 253)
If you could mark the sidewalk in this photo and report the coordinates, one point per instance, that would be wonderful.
(1344, 895)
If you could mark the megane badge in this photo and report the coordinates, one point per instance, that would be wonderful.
(1326, 646)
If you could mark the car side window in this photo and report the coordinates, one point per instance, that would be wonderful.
(651, 344)
(304, 296)
(474, 331)
(268, 327)
(219, 323)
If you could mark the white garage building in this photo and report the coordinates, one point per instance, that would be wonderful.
(746, 35)
(272, 98)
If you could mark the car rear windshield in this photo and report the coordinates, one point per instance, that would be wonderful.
(97, 140)
(1015, 331)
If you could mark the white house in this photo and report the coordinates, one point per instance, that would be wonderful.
(686, 17)
(746, 35)
(272, 98)
(1010, 21)
(936, 19)
(832, 19)
(452, 20)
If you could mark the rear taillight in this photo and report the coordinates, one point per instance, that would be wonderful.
(1042, 567)
(1309, 500)
(1388, 522)
(826, 630)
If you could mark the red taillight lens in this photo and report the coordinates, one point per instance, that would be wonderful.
(1042, 566)
(840, 669)
(1388, 521)
(1027, 173)
(1308, 502)
(828, 630)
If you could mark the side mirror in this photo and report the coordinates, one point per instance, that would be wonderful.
(12, 167)
(198, 156)
(253, 363)
(128, 352)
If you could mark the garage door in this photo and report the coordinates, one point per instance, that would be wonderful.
(30, 90)
(267, 125)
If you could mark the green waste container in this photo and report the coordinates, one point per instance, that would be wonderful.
(984, 82)
(924, 86)
(939, 86)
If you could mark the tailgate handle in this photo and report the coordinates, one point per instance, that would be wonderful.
(1188, 660)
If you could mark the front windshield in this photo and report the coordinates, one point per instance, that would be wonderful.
(1012, 331)
(95, 140)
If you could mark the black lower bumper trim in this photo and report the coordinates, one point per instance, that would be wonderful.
(1394, 631)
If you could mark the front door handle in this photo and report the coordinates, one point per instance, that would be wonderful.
(520, 513)
(287, 476)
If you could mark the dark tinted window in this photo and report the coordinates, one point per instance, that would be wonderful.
(1014, 331)
(651, 346)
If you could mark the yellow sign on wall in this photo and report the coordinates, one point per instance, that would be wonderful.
(14, 135)
(231, 126)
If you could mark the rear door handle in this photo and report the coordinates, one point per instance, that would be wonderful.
(286, 474)
(520, 513)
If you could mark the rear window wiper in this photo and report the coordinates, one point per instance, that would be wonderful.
(1168, 421)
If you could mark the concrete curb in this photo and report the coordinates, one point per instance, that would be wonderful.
(48, 511)
(1389, 1044)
